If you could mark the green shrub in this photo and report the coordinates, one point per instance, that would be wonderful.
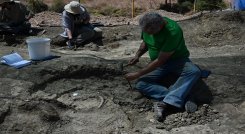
(57, 6)
(183, 7)
(222, 5)
(210, 5)
(181, 1)
(186, 7)
(36, 6)
(110, 11)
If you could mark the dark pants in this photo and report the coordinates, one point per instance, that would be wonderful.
(22, 28)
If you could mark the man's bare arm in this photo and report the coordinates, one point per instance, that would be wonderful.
(142, 49)
(69, 34)
(162, 59)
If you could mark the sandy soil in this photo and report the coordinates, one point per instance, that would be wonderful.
(83, 91)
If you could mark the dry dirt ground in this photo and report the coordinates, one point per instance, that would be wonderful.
(83, 91)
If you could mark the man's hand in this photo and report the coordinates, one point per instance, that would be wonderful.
(29, 16)
(132, 76)
(142, 49)
(70, 44)
(133, 61)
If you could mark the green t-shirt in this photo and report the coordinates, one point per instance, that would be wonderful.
(169, 39)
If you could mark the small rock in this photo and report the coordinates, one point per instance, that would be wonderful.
(136, 130)
(168, 128)
(160, 127)
(128, 52)
(215, 111)
(205, 105)
(242, 107)
(28, 105)
(74, 94)
(94, 47)
(241, 48)
(4, 110)
(152, 120)
(141, 110)
(48, 112)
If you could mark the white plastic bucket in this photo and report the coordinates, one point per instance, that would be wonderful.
(38, 48)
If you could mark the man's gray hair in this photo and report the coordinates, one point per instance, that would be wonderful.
(151, 20)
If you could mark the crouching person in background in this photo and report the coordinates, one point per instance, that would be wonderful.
(77, 29)
(14, 18)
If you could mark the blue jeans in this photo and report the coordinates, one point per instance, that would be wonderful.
(188, 73)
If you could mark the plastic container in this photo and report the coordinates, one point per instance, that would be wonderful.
(38, 48)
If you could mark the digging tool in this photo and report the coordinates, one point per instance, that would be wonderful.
(123, 66)
(121, 69)
(130, 84)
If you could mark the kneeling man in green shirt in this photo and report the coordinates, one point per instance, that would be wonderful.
(163, 39)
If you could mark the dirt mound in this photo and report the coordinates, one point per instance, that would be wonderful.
(46, 18)
(215, 29)
(49, 18)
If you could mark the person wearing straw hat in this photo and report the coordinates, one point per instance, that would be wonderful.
(75, 21)
(14, 17)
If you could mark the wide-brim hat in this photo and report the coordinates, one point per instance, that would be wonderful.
(74, 7)
(3, 1)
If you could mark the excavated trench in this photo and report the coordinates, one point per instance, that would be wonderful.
(91, 94)
(87, 95)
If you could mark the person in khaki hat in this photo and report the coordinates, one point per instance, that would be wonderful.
(13, 17)
(75, 21)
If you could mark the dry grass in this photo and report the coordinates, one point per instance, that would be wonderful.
(116, 7)
(121, 7)
(143, 4)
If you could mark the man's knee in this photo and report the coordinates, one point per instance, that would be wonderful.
(90, 34)
(196, 72)
(59, 41)
(141, 85)
(85, 34)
